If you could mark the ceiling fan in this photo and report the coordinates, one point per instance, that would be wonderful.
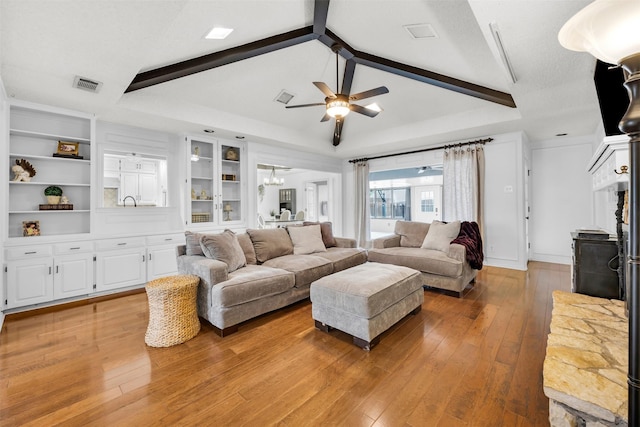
(338, 105)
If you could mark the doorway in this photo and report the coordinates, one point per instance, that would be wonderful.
(316, 195)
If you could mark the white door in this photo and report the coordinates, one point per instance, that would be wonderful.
(29, 281)
(428, 203)
(73, 275)
(117, 269)
(161, 262)
(147, 189)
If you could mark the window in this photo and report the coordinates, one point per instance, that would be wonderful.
(426, 201)
(389, 202)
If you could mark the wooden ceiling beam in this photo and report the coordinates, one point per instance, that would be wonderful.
(218, 59)
(435, 79)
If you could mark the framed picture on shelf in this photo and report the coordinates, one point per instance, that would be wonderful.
(30, 228)
(67, 148)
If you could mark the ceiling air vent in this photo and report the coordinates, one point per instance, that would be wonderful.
(86, 84)
(421, 31)
(284, 97)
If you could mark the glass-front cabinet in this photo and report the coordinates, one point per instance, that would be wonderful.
(217, 186)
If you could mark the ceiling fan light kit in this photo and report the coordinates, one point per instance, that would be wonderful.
(338, 108)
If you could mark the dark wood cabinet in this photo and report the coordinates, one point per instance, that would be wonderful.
(288, 199)
(594, 269)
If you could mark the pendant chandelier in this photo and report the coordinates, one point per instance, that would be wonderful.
(272, 180)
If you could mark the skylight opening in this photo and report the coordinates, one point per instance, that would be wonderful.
(218, 33)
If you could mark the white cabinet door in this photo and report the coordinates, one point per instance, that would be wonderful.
(161, 262)
(121, 268)
(147, 166)
(128, 186)
(147, 189)
(73, 275)
(29, 281)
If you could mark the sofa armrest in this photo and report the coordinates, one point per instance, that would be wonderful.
(458, 252)
(211, 271)
(345, 242)
(386, 242)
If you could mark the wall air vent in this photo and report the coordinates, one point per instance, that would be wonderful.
(87, 84)
(284, 97)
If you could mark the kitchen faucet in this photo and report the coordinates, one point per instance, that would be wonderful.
(124, 201)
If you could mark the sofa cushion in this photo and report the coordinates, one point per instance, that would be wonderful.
(306, 239)
(425, 260)
(440, 235)
(251, 283)
(270, 243)
(343, 258)
(247, 247)
(193, 243)
(306, 268)
(327, 233)
(412, 233)
(224, 247)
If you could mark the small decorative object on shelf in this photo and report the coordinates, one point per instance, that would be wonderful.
(23, 171)
(231, 154)
(56, 207)
(203, 195)
(30, 228)
(53, 194)
(67, 150)
(200, 217)
(228, 177)
(227, 212)
(193, 194)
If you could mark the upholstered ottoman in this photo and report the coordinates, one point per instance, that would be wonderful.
(366, 300)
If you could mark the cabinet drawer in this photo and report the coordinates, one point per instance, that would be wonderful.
(127, 242)
(25, 252)
(166, 239)
(72, 248)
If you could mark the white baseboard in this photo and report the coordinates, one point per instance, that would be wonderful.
(555, 259)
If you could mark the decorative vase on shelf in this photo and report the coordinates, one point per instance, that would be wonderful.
(53, 194)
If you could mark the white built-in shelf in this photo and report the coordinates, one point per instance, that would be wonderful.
(203, 158)
(52, 211)
(56, 183)
(230, 200)
(204, 178)
(22, 132)
(55, 159)
(237, 162)
(228, 181)
(201, 200)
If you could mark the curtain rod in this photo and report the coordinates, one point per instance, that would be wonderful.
(460, 144)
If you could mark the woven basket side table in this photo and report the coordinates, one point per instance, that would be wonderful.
(173, 317)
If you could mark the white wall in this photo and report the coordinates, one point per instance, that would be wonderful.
(562, 199)
(4, 133)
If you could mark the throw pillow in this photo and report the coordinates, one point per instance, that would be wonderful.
(270, 243)
(440, 235)
(247, 247)
(306, 239)
(327, 233)
(193, 243)
(224, 247)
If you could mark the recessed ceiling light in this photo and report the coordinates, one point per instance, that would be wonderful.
(218, 33)
(239, 137)
(373, 107)
(209, 130)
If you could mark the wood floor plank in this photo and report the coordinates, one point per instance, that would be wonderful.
(472, 361)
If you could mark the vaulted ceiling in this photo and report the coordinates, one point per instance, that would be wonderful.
(45, 44)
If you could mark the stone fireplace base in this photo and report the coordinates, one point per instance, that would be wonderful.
(585, 368)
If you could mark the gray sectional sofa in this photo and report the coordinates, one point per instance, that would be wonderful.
(443, 265)
(245, 275)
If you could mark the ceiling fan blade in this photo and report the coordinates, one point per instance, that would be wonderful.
(370, 93)
(337, 132)
(363, 110)
(325, 89)
(305, 105)
(325, 118)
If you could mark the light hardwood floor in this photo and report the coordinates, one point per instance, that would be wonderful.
(459, 362)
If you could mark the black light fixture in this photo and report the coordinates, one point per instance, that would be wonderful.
(610, 31)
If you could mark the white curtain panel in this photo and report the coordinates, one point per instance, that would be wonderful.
(463, 187)
(361, 170)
